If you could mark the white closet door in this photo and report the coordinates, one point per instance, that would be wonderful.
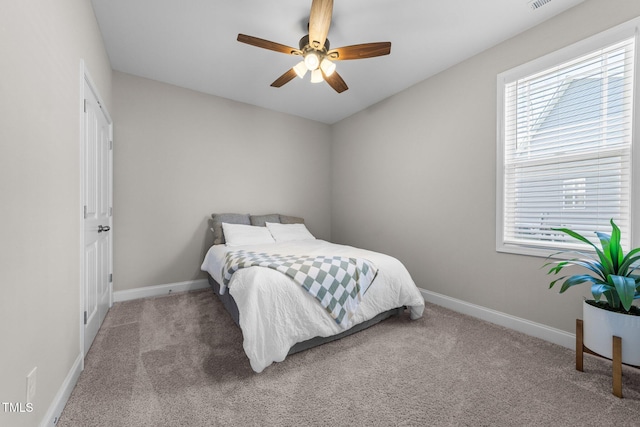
(97, 216)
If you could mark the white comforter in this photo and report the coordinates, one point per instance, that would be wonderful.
(276, 313)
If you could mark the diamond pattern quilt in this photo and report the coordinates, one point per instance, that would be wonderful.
(338, 283)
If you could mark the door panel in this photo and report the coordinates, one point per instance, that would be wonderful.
(91, 282)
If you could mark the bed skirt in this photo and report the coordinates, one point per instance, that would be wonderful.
(231, 306)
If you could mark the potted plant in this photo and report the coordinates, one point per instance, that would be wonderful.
(610, 273)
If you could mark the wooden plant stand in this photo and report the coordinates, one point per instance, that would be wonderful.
(617, 357)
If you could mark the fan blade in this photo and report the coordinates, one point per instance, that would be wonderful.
(360, 51)
(285, 78)
(335, 81)
(319, 22)
(266, 44)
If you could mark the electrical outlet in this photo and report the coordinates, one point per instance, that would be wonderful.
(31, 385)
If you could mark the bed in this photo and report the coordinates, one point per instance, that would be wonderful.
(276, 314)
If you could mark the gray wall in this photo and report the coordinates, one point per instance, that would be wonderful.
(41, 44)
(428, 177)
(181, 155)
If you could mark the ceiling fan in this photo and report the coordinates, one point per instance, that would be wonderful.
(315, 51)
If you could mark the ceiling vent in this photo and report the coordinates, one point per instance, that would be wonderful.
(536, 4)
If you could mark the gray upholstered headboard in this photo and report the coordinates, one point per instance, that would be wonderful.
(247, 219)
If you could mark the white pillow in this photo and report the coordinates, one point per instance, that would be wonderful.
(289, 232)
(240, 234)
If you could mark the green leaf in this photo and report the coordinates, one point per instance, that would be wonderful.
(604, 260)
(582, 255)
(575, 235)
(614, 248)
(626, 288)
(597, 289)
(628, 261)
(612, 298)
(556, 281)
(576, 280)
(592, 265)
(605, 242)
(558, 266)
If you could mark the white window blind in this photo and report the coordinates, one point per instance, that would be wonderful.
(566, 141)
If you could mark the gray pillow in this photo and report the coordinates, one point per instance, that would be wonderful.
(261, 220)
(284, 219)
(231, 218)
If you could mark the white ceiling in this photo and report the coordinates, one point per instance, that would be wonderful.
(192, 44)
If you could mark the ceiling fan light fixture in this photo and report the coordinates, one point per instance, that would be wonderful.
(300, 68)
(311, 60)
(327, 67)
(316, 76)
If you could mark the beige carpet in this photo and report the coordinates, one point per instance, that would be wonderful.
(178, 361)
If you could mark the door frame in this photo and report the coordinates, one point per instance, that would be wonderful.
(85, 77)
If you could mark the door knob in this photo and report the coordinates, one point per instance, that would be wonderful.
(102, 228)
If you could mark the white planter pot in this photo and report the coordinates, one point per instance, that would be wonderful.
(600, 326)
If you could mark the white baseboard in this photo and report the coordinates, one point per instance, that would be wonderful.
(159, 290)
(534, 329)
(52, 416)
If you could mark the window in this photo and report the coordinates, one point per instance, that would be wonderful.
(565, 145)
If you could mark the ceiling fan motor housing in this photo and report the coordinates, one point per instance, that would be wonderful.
(304, 44)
